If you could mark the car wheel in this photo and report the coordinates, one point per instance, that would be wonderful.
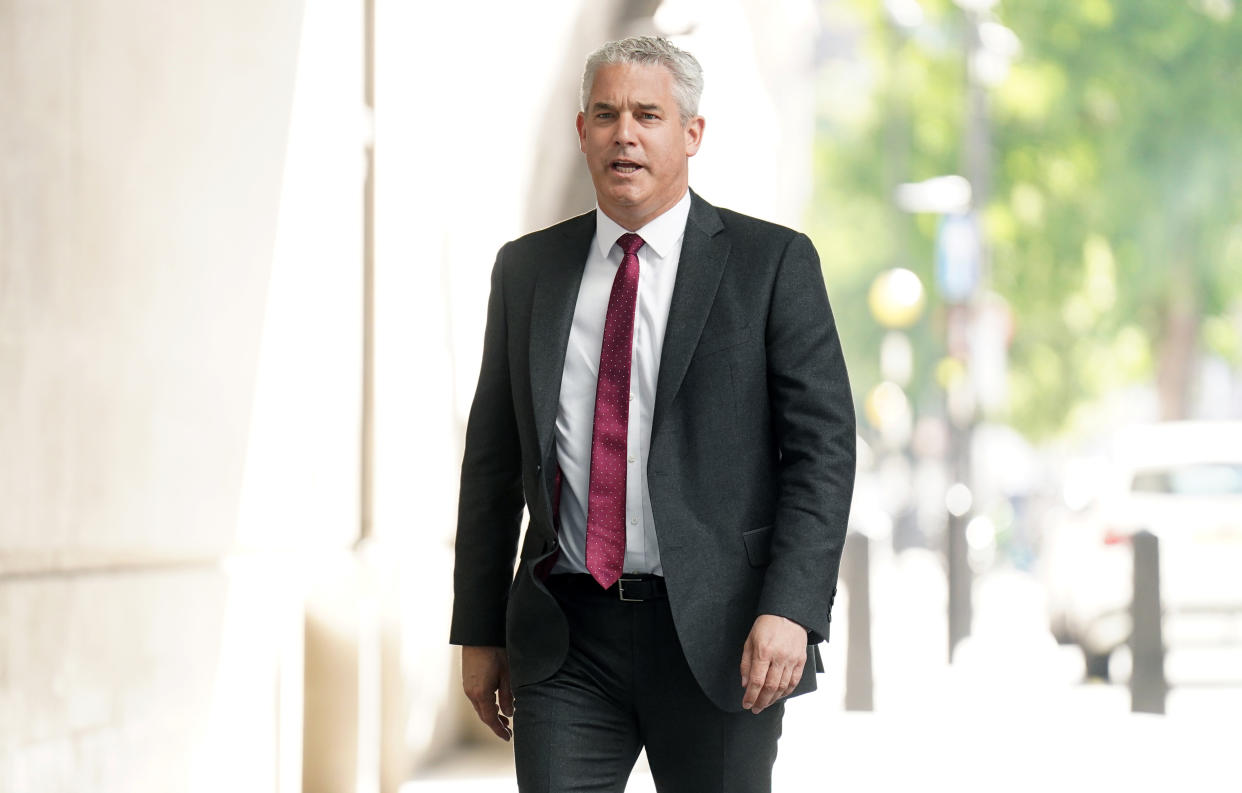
(1096, 664)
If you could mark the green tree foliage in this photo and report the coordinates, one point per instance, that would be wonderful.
(1114, 217)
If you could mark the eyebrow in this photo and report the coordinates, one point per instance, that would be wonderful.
(641, 106)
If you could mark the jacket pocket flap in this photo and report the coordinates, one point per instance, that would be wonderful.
(758, 545)
(711, 342)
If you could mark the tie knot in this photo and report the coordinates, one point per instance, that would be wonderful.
(630, 243)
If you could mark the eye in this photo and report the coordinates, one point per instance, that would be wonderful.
(649, 117)
(604, 116)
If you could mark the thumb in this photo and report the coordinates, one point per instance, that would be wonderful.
(506, 694)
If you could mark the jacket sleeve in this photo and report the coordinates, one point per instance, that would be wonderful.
(813, 421)
(489, 511)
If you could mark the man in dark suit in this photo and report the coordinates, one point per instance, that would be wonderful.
(663, 389)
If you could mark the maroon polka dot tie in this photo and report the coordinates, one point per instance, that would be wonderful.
(605, 542)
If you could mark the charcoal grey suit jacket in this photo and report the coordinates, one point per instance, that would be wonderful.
(751, 463)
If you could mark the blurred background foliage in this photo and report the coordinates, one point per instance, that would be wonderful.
(1113, 217)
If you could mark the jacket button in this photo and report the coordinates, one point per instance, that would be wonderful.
(538, 467)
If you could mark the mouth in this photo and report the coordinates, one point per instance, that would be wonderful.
(624, 167)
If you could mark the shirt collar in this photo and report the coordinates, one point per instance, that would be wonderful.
(660, 235)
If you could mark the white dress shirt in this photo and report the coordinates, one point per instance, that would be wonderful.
(575, 414)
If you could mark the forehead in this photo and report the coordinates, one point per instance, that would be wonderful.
(633, 81)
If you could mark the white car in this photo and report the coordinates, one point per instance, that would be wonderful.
(1182, 481)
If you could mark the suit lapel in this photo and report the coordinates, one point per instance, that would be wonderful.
(552, 315)
(704, 252)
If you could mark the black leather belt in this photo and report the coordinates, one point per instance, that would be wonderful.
(631, 588)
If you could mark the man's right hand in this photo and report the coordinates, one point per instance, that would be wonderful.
(485, 678)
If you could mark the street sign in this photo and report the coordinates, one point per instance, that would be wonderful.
(958, 257)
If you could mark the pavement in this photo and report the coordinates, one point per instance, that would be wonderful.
(1011, 713)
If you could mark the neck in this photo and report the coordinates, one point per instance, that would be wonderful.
(632, 221)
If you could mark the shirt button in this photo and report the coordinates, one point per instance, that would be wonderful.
(631, 397)
(633, 521)
(631, 458)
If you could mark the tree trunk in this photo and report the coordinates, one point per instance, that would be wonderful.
(1177, 364)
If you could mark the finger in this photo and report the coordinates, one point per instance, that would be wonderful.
(489, 714)
(770, 689)
(796, 677)
(785, 688)
(755, 682)
(746, 659)
(495, 722)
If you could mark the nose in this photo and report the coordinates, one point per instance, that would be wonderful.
(625, 129)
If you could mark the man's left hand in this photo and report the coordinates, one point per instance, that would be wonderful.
(772, 661)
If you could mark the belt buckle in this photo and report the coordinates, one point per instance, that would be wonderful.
(621, 589)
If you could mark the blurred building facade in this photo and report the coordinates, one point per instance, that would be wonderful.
(210, 579)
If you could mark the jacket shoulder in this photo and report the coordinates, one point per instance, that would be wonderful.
(746, 227)
(555, 235)
(522, 258)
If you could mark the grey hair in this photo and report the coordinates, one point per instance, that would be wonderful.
(650, 51)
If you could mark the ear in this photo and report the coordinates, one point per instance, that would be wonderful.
(581, 125)
(694, 135)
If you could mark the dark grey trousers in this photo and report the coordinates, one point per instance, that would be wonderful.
(624, 686)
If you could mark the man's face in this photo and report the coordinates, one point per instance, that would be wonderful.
(636, 147)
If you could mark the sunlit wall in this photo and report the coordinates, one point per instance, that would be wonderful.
(179, 364)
